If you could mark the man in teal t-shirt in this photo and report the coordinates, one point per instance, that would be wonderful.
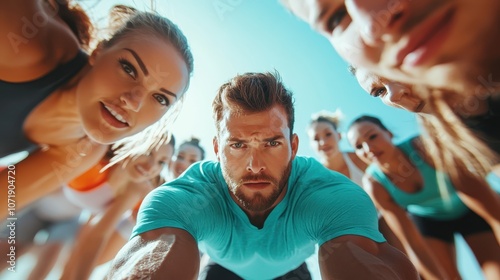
(259, 211)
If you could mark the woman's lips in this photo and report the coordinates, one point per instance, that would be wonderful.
(108, 116)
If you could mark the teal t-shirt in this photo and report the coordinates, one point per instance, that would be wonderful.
(319, 205)
(432, 200)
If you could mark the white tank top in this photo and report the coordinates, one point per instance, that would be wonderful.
(355, 174)
(94, 200)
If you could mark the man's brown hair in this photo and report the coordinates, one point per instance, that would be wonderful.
(253, 92)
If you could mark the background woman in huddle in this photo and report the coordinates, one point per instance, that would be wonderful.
(72, 104)
(185, 155)
(403, 183)
(483, 123)
(324, 138)
(188, 153)
(108, 195)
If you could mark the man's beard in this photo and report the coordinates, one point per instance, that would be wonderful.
(258, 202)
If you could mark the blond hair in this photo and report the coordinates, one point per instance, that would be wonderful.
(453, 147)
(333, 118)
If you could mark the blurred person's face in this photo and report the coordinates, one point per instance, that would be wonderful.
(147, 167)
(186, 155)
(429, 42)
(371, 143)
(255, 151)
(324, 139)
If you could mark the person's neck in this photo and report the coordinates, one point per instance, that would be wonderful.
(116, 178)
(393, 165)
(335, 161)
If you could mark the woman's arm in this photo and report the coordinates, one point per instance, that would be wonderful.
(420, 254)
(46, 170)
(480, 198)
(97, 232)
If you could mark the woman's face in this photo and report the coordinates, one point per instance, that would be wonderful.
(324, 139)
(426, 41)
(391, 93)
(371, 143)
(186, 155)
(130, 86)
(147, 167)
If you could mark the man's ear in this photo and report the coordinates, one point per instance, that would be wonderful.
(295, 144)
(215, 143)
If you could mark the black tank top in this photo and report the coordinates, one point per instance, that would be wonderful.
(17, 100)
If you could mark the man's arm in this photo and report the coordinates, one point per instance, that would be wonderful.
(165, 253)
(357, 257)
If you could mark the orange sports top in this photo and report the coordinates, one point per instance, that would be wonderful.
(92, 178)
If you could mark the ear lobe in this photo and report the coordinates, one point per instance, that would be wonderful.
(295, 144)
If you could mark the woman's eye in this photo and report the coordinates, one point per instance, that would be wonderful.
(128, 68)
(336, 19)
(376, 92)
(162, 99)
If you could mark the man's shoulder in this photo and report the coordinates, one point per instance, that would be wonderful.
(200, 178)
(308, 170)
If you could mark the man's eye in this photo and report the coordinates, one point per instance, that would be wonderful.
(237, 145)
(274, 143)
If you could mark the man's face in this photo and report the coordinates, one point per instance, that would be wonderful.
(255, 152)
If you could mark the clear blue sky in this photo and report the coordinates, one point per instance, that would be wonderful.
(229, 37)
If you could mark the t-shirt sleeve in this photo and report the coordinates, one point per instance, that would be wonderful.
(181, 203)
(339, 207)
